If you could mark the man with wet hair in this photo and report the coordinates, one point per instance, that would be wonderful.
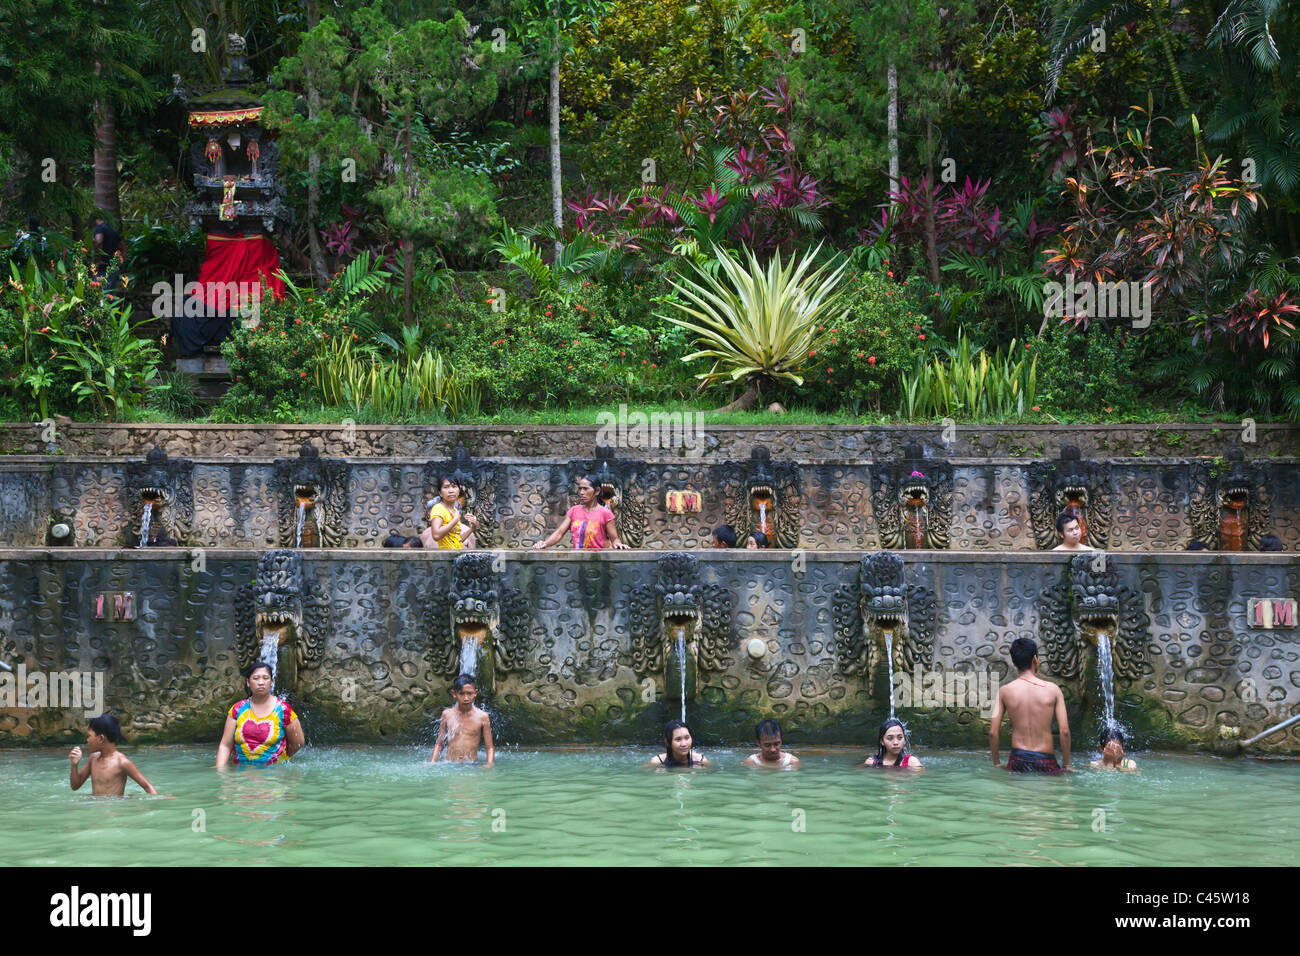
(1031, 703)
(724, 537)
(1067, 526)
(770, 756)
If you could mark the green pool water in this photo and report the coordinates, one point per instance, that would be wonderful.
(377, 805)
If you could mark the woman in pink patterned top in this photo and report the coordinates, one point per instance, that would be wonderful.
(590, 523)
(261, 729)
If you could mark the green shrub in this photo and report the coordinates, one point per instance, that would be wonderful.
(1085, 372)
(861, 364)
(274, 362)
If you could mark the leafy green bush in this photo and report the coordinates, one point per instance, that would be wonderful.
(861, 362)
(65, 340)
(970, 382)
(273, 361)
(1090, 371)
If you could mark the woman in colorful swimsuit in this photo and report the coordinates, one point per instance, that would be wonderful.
(261, 729)
(892, 752)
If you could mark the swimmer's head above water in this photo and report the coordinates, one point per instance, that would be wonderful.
(677, 744)
(258, 679)
(891, 741)
(768, 735)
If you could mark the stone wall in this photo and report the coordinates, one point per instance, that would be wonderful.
(1151, 504)
(1192, 671)
(562, 441)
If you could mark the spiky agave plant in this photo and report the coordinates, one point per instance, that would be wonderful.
(759, 325)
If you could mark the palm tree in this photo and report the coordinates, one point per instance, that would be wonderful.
(1070, 32)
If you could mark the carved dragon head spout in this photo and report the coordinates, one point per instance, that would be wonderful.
(276, 623)
(680, 626)
(1070, 485)
(475, 615)
(1094, 587)
(765, 499)
(912, 499)
(162, 487)
(884, 597)
(609, 487)
(313, 492)
(1230, 508)
(880, 613)
(154, 481)
(1087, 602)
(476, 624)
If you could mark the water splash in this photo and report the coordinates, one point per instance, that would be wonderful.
(889, 656)
(302, 512)
(681, 665)
(469, 656)
(144, 524)
(271, 653)
(1106, 669)
(762, 517)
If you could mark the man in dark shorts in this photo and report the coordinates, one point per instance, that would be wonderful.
(1031, 703)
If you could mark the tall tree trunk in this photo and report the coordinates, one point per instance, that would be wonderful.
(931, 246)
(893, 130)
(749, 398)
(407, 243)
(106, 194)
(313, 169)
(557, 200)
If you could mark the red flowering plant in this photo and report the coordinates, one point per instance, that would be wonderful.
(871, 347)
(67, 341)
(269, 349)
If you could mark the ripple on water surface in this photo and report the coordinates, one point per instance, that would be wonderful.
(386, 805)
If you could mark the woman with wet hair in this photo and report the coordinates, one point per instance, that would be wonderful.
(261, 729)
(892, 752)
(589, 523)
(677, 748)
(757, 540)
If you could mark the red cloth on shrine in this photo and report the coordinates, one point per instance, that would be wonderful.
(240, 259)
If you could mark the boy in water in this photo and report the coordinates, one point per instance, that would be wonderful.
(463, 726)
(768, 734)
(106, 768)
(1112, 752)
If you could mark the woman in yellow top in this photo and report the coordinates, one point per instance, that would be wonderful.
(450, 527)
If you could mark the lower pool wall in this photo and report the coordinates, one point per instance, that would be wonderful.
(578, 653)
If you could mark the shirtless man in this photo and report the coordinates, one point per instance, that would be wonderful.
(463, 726)
(1067, 526)
(769, 756)
(106, 768)
(1032, 703)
